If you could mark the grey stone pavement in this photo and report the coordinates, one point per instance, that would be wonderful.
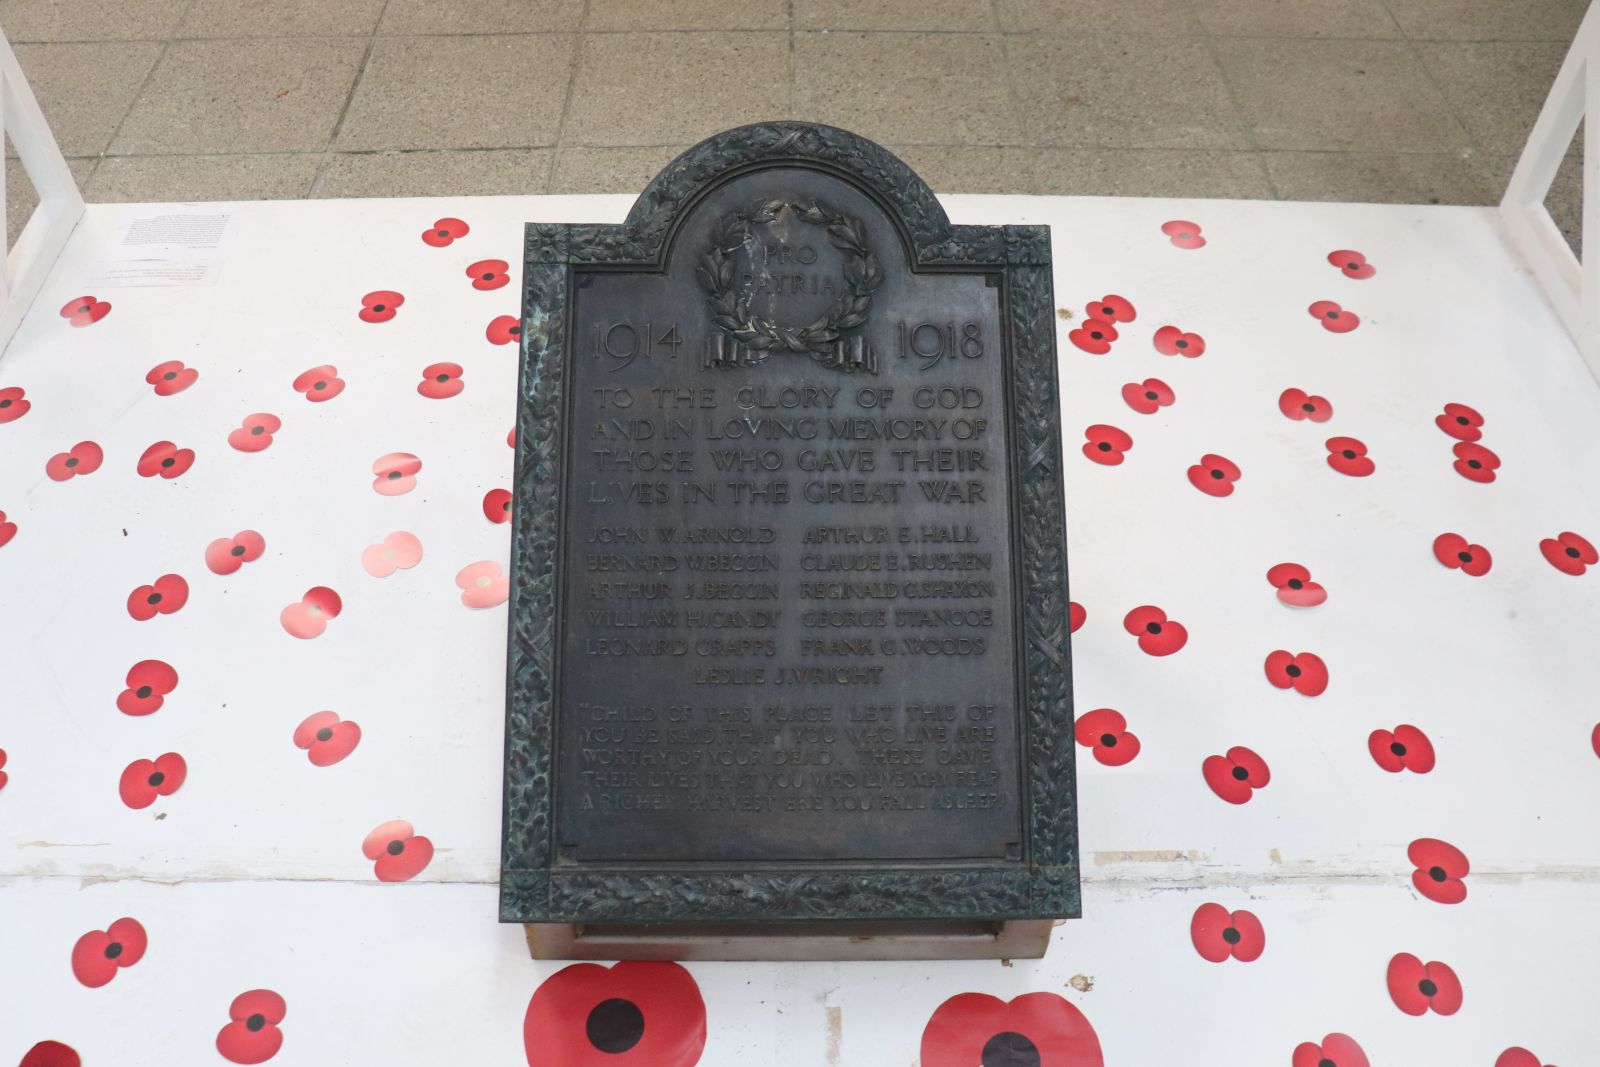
(1361, 100)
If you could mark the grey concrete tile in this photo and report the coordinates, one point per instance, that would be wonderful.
(947, 15)
(243, 96)
(90, 20)
(1151, 172)
(460, 92)
(481, 16)
(1122, 91)
(22, 197)
(1496, 89)
(1076, 18)
(1370, 96)
(1296, 18)
(907, 88)
(675, 88)
(688, 15)
(497, 172)
(85, 89)
(1379, 177)
(972, 168)
(280, 18)
(1489, 20)
(609, 170)
(156, 179)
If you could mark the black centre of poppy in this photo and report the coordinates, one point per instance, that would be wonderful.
(5, 403)
(396, 847)
(377, 307)
(1105, 446)
(324, 734)
(236, 550)
(1353, 266)
(156, 779)
(1216, 473)
(1292, 671)
(489, 276)
(515, 331)
(1181, 344)
(614, 1025)
(441, 377)
(84, 307)
(1149, 395)
(1231, 936)
(1397, 748)
(444, 233)
(1096, 334)
(1108, 740)
(153, 598)
(254, 430)
(393, 475)
(1464, 557)
(1009, 1049)
(1308, 407)
(1463, 420)
(1348, 453)
(1427, 988)
(1295, 583)
(319, 385)
(1574, 553)
(1474, 464)
(72, 461)
(113, 950)
(1325, 1062)
(142, 692)
(169, 461)
(169, 376)
(1331, 314)
(1152, 627)
(1240, 773)
(255, 1022)
(1437, 874)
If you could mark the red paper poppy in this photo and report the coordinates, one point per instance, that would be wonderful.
(13, 404)
(1218, 933)
(3, 776)
(1347, 455)
(1336, 1050)
(1415, 987)
(1353, 264)
(82, 458)
(253, 1035)
(379, 305)
(1106, 732)
(398, 853)
(83, 310)
(309, 617)
(1094, 336)
(488, 274)
(149, 682)
(100, 954)
(255, 433)
(168, 593)
(444, 231)
(1106, 444)
(631, 1014)
(1517, 1056)
(1298, 404)
(1171, 341)
(1306, 674)
(1214, 475)
(971, 1029)
(511, 437)
(326, 738)
(1594, 742)
(227, 554)
(398, 551)
(143, 780)
(1295, 587)
(1440, 868)
(1236, 775)
(395, 473)
(8, 530)
(1111, 308)
(1075, 616)
(497, 505)
(504, 329)
(1569, 553)
(166, 459)
(441, 380)
(319, 383)
(1474, 462)
(1184, 234)
(51, 1054)
(171, 377)
(1405, 748)
(1461, 422)
(1334, 318)
(1454, 552)
(1146, 396)
(482, 585)
(1158, 635)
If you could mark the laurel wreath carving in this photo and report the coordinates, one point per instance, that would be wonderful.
(730, 309)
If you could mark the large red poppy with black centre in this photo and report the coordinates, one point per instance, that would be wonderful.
(395, 473)
(488, 274)
(319, 383)
(1474, 462)
(165, 459)
(171, 377)
(1106, 444)
(253, 1035)
(326, 738)
(1147, 396)
(1075, 616)
(441, 381)
(149, 682)
(1417, 988)
(227, 554)
(504, 329)
(1569, 553)
(1111, 308)
(1334, 318)
(1336, 1050)
(1158, 635)
(100, 954)
(13, 404)
(379, 305)
(1517, 1056)
(1219, 934)
(631, 1014)
(1405, 748)
(143, 780)
(255, 433)
(1454, 552)
(1235, 775)
(1440, 868)
(1352, 263)
(1094, 336)
(444, 231)
(1460, 421)
(84, 310)
(973, 1029)
(8, 530)
(1106, 732)
(1347, 455)
(1298, 404)
(82, 458)
(1171, 341)
(308, 617)
(1295, 587)
(1214, 475)
(163, 597)
(51, 1054)
(1183, 233)
(1305, 673)
(497, 505)
(398, 854)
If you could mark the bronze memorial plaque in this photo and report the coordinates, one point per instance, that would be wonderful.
(788, 650)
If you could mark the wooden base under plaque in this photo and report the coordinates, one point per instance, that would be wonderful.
(1014, 939)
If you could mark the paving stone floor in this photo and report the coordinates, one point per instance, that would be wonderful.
(1371, 100)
